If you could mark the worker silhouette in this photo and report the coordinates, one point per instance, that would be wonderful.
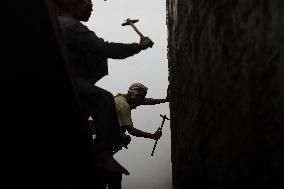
(124, 103)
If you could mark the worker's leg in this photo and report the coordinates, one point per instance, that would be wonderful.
(109, 180)
(100, 105)
(102, 179)
(114, 181)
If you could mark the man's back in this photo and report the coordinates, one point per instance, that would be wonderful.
(81, 44)
(123, 110)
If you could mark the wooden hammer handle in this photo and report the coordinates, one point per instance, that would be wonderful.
(134, 27)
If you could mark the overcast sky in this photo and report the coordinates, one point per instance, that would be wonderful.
(148, 67)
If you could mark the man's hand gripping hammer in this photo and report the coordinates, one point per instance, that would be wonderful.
(131, 23)
(160, 129)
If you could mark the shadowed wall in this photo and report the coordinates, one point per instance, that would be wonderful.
(227, 93)
(44, 139)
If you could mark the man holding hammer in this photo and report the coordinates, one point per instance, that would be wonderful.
(135, 97)
(87, 55)
(124, 103)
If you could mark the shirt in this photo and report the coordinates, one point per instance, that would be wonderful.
(123, 111)
(87, 53)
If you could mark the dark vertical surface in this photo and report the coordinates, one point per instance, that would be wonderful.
(44, 138)
(227, 107)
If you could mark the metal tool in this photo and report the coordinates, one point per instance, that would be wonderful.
(160, 129)
(131, 23)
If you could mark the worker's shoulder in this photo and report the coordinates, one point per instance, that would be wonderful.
(120, 100)
(69, 23)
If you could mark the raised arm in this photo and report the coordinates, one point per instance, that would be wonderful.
(106, 49)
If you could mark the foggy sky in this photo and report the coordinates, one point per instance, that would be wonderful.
(148, 67)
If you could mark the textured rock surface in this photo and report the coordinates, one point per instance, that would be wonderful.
(227, 89)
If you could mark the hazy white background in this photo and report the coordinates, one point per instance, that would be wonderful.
(148, 67)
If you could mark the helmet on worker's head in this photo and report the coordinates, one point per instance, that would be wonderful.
(138, 88)
(137, 93)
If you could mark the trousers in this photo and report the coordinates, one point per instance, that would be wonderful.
(109, 180)
(99, 104)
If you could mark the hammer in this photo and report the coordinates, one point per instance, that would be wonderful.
(160, 129)
(131, 23)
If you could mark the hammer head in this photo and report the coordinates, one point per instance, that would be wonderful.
(164, 117)
(128, 21)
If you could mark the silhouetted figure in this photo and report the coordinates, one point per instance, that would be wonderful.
(87, 55)
(124, 104)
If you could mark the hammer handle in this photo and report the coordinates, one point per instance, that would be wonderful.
(160, 129)
(154, 148)
(134, 27)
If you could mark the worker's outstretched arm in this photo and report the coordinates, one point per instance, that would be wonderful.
(152, 101)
